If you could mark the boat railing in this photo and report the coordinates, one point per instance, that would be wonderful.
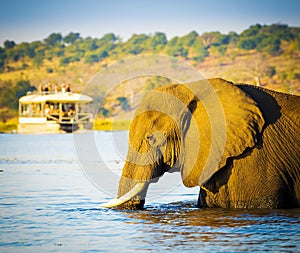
(46, 92)
(54, 117)
(76, 118)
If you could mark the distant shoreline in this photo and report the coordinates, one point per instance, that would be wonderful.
(100, 124)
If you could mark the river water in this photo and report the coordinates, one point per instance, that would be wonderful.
(50, 198)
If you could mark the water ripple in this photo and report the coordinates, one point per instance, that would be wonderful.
(48, 205)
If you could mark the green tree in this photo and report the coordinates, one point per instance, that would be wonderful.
(10, 94)
(38, 59)
(106, 45)
(158, 41)
(108, 38)
(174, 47)
(8, 44)
(124, 103)
(71, 38)
(22, 87)
(2, 64)
(18, 51)
(136, 44)
(53, 39)
(39, 54)
(89, 44)
(246, 44)
(186, 42)
(214, 38)
(70, 58)
(189, 39)
(270, 45)
(2, 58)
(102, 54)
(91, 58)
(198, 51)
(104, 112)
(250, 38)
(24, 49)
(220, 49)
(185, 46)
(279, 31)
(251, 31)
(295, 45)
(7, 98)
(265, 38)
(233, 38)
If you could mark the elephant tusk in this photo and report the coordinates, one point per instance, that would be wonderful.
(126, 197)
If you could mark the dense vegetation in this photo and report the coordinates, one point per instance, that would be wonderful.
(74, 48)
(23, 66)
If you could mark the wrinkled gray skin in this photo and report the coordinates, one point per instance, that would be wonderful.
(257, 166)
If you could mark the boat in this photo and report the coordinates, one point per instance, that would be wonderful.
(54, 112)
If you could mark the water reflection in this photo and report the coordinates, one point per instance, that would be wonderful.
(180, 226)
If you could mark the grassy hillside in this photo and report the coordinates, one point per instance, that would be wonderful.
(268, 56)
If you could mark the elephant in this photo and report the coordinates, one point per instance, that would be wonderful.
(238, 143)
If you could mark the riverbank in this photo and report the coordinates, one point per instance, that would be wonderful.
(111, 124)
(11, 125)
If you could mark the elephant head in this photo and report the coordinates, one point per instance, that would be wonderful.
(194, 128)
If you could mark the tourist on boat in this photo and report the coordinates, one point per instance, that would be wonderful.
(47, 109)
(52, 110)
(63, 87)
(55, 88)
(71, 111)
(68, 87)
(47, 88)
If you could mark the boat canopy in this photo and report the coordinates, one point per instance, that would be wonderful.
(56, 97)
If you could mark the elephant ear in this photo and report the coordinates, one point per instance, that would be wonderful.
(226, 129)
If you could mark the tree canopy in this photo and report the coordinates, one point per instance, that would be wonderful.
(192, 46)
(72, 47)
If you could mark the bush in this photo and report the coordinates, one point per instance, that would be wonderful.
(10, 93)
(124, 103)
(246, 44)
(270, 45)
(50, 70)
(91, 58)
(69, 59)
(271, 71)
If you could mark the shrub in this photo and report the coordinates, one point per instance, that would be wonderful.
(49, 70)
(91, 58)
(246, 44)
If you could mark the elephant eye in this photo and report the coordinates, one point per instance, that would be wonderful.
(150, 139)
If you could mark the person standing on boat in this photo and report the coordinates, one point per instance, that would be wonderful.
(68, 87)
(63, 87)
